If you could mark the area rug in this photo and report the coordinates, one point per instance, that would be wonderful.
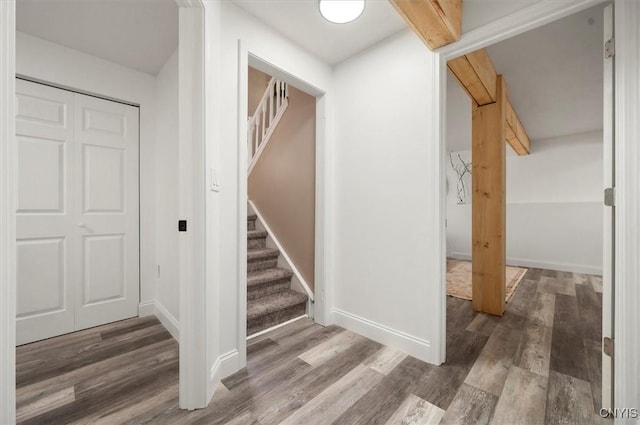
(459, 279)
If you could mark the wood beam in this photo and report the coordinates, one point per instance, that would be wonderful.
(489, 204)
(436, 22)
(516, 135)
(477, 76)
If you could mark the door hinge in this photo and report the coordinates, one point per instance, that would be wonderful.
(610, 197)
(610, 48)
(607, 346)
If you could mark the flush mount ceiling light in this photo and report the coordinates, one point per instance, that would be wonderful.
(341, 11)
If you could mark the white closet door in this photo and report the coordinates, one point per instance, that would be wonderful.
(45, 236)
(77, 217)
(106, 184)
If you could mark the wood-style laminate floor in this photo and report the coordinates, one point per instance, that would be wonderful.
(539, 363)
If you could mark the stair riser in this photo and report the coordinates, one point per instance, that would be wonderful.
(275, 318)
(251, 225)
(268, 288)
(257, 243)
(262, 264)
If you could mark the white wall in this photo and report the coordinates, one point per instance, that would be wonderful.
(226, 231)
(49, 62)
(554, 197)
(383, 245)
(167, 289)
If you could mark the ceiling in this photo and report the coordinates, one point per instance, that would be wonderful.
(139, 34)
(554, 76)
(300, 20)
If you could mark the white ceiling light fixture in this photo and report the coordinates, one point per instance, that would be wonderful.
(341, 11)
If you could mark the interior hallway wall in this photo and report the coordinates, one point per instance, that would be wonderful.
(167, 293)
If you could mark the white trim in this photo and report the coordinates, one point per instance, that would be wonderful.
(243, 193)
(529, 18)
(540, 264)
(8, 163)
(627, 211)
(324, 224)
(412, 345)
(265, 140)
(283, 252)
(225, 365)
(167, 320)
(192, 244)
(323, 221)
(146, 308)
(278, 326)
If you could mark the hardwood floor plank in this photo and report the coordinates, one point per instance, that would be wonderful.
(568, 354)
(28, 394)
(470, 406)
(327, 406)
(379, 404)
(385, 360)
(534, 351)
(123, 415)
(77, 358)
(45, 404)
(557, 286)
(490, 371)
(416, 411)
(569, 400)
(299, 392)
(483, 324)
(523, 399)
(590, 312)
(330, 348)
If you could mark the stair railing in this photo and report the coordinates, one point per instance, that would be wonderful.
(264, 121)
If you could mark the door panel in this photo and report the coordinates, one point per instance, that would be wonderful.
(44, 133)
(77, 215)
(106, 149)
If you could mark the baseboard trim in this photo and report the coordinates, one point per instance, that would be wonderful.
(167, 320)
(146, 308)
(225, 365)
(412, 345)
(537, 264)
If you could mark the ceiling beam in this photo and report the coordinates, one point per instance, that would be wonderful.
(477, 76)
(436, 22)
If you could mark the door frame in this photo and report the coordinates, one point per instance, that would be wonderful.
(8, 189)
(321, 307)
(627, 130)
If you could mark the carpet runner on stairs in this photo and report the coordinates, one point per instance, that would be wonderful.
(270, 299)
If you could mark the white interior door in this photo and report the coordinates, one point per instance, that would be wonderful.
(609, 216)
(77, 217)
(45, 210)
(106, 183)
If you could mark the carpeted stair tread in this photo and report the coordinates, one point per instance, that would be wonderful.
(264, 306)
(252, 217)
(259, 277)
(256, 234)
(262, 253)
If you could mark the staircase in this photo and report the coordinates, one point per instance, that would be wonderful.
(270, 299)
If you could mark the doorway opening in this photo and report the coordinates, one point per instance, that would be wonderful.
(282, 147)
(553, 212)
